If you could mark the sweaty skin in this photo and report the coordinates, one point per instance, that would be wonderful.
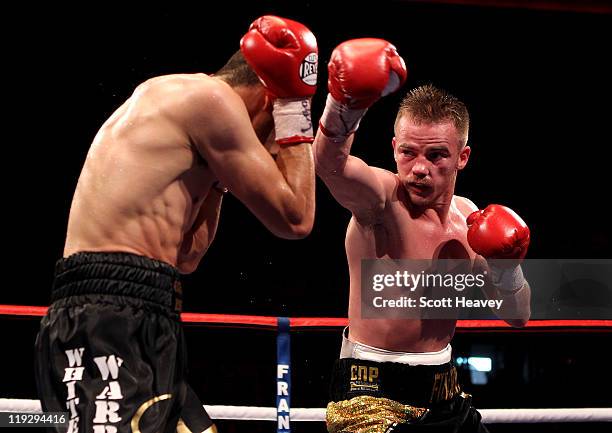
(411, 214)
(398, 234)
(146, 185)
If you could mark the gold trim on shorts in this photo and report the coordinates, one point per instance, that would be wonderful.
(135, 422)
(367, 414)
(445, 386)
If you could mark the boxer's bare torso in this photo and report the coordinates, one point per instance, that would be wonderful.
(411, 214)
(143, 182)
(401, 234)
(147, 183)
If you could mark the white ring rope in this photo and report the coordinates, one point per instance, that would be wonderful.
(252, 413)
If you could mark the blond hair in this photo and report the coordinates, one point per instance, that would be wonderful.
(429, 104)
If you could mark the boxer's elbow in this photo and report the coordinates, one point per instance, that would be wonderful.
(298, 232)
(288, 217)
(291, 232)
(296, 222)
(298, 225)
(297, 213)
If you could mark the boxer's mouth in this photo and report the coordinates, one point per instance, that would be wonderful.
(418, 186)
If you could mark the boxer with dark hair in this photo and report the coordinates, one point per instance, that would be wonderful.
(396, 374)
(146, 207)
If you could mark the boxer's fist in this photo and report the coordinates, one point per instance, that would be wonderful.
(497, 232)
(363, 70)
(283, 53)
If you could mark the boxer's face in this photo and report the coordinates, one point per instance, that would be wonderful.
(428, 157)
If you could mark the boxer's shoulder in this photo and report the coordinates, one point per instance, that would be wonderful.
(194, 100)
(464, 205)
(388, 180)
(187, 89)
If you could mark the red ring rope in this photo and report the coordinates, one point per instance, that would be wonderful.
(319, 322)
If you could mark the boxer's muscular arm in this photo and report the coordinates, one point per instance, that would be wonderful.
(516, 306)
(515, 309)
(355, 185)
(360, 72)
(281, 193)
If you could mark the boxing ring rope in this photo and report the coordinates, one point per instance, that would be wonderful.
(252, 413)
(326, 322)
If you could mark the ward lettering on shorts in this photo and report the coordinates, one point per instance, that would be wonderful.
(308, 69)
(106, 407)
(364, 378)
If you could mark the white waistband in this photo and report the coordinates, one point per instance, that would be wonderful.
(354, 349)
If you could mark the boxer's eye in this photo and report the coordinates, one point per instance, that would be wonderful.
(435, 156)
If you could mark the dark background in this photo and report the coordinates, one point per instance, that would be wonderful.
(536, 83)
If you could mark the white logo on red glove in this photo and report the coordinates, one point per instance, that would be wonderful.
(308, 69)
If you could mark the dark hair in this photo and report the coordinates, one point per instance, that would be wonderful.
(432, 105)
(237, 72)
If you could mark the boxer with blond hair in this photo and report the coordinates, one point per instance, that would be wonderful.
(396, 374)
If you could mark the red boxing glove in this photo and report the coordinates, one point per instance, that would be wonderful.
(363, 70)
(284, 54)
(498, 233)
(360, 72)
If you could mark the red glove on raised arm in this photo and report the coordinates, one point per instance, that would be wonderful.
(363, 70)
(360, 72)
(283, 53)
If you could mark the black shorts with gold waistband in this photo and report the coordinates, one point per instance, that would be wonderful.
(111, 351)
(369, 396)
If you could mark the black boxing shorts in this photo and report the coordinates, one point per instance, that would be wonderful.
(111, 351)
(377, 396)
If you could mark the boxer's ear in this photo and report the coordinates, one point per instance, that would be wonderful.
(464, 156)
(269, 101)
(393, 144)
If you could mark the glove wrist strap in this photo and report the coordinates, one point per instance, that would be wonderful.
(292, 121)
(338, 120)
(507, 280)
